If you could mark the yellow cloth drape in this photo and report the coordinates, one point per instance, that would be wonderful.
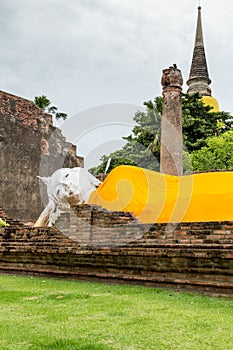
(155, 197)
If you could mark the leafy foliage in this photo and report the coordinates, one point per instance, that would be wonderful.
(44, 103)
(199, 123)
(3, 223)
(217, 154)
(143, 145)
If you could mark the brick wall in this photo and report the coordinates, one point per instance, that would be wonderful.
(27, 140)
(186, 256)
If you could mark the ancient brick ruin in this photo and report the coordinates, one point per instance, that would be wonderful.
(90, 242)
(27, 137)
(186, 256)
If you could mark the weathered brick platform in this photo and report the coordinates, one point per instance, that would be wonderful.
(113, 247)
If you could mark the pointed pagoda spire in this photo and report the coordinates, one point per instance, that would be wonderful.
(199, 77)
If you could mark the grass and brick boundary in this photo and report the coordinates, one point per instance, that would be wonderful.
(191, 256)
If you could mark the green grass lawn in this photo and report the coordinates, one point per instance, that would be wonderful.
(39, 313)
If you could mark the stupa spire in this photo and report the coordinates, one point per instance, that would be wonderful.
(199, 77)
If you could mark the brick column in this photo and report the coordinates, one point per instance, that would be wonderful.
(171, 125)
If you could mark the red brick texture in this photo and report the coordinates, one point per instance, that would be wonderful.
(186, 256)
(28, 139)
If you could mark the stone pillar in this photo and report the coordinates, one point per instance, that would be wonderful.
(171, 124)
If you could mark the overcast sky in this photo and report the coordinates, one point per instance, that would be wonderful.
(86, 53)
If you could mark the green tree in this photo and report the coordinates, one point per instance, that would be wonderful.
(44, 103)
(143, 145)
(199, 123)
(217, 154)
